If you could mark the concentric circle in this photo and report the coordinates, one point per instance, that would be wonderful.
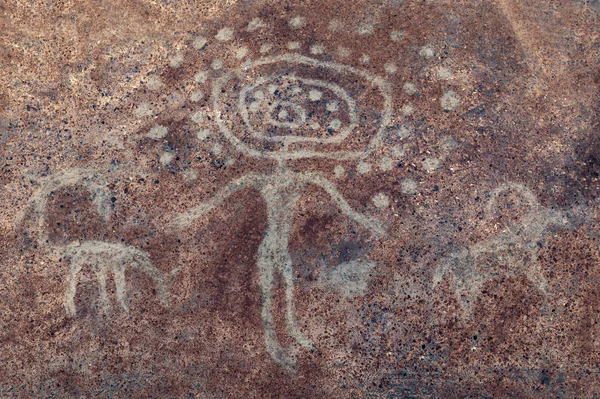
(291, 106)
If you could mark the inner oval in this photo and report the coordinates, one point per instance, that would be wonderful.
(291, 109)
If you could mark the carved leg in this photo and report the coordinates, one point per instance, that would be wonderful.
(74, 269)
(101, 277)
(158, 279)
(534, 271)
(119, 272)
(290, 310)
(266, 265)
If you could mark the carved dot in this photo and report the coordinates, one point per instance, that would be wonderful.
(444, 73)
(174, 98)
(166, 158)
(448, 143)
(363, 168)
(427, 52)
(198, 116)
(396, 35)
(386, 164)
(201, 77)
(224, 35)
(449, 101)
(365, 29)
(431, 164)
(317, 49)
(177, 61)
(339, 171)
(335, 124)
(404, 131)
(217, 64)
(343, 52)
(144, 109)
(409, 88)
(398, 151)
(202, 134)
(390, 68)
(293, 45)
(265, 48)
(255, 24)
(247, 64)
(158, 132)
(332, 106)
(335, 25)
(365, 59)
(381, 200)
(408, 109)
(297, 22)
(315, 95)
(190, 174)
(241, 53)
(197, 96)
(200, 42)
(408, 186)
(154, 83)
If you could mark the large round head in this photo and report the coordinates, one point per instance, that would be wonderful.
(292, 106)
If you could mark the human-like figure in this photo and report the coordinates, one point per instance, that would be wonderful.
(280, 191)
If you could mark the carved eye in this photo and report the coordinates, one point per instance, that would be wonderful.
(291, 106)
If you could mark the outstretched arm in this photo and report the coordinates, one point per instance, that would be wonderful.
(188, 217)
(329, 187)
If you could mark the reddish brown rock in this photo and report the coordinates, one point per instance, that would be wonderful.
(392, 199)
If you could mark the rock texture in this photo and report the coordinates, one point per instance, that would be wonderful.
(307, 199)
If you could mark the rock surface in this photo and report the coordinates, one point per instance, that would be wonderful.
(308, 199)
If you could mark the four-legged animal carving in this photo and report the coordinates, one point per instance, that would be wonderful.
(104, 257)
(516, 249)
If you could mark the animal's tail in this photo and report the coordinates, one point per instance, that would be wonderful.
(163, 283)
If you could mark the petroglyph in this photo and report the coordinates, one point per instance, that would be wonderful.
(105, 257)
(513, 252)
(288, 99)
(280, 191)
(301, 99)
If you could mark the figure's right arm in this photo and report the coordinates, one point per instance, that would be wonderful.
(188, 217)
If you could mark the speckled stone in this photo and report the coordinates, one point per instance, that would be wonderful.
(307, 199)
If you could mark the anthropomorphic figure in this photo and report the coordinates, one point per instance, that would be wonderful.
(289, 107)
(280, 191)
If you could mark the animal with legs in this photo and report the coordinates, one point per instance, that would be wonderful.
(280, 191)
(103, 257)
(515, 250)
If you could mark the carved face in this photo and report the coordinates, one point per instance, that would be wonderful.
(292, 106)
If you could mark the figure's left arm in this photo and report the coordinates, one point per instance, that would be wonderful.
(368, 222)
